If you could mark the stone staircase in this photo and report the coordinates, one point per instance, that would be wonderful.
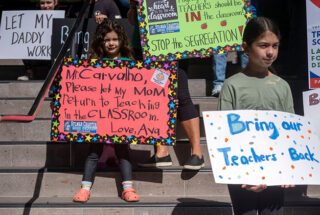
(40, 177)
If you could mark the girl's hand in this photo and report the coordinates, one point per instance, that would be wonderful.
(100, 18)
(254, 188)
(288, 186)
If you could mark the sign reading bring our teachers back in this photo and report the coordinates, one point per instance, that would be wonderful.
(115, 101)
(27, 34)
(262, 147)
(176, 29)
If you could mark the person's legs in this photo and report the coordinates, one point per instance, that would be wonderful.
(219, 72)
(244, 202)
(91, 162)
(192, 130)
(271, 201)
(122, 152)
(90, 167)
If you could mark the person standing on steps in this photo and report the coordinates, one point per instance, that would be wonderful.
(110, 42)
(257, 87)
(187, 114)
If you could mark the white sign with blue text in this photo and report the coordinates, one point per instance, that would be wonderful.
(262, 147)
(26, 34)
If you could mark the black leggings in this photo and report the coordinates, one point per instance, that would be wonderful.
(268, 202)
(186, 109)
(122, 152)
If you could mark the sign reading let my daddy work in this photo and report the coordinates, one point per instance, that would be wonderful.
(27, 34)
(177, 29)
(262, 147)
(115, 102)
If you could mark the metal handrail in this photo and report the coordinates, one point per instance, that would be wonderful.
(50, 77)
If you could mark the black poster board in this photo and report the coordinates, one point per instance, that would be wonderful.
(80, 44)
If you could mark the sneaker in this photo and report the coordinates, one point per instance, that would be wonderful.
(194, 163)
(155, 161)
(216, 90)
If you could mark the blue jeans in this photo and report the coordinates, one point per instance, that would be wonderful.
(220, 65)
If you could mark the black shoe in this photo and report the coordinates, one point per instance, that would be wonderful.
(155, 161)
(194, 163)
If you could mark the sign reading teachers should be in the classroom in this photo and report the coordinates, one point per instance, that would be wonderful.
(177, 29)
(115, 101)
(262, 147)
(27, 34)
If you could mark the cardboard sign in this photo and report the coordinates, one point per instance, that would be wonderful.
(262, 147)
(311, 107)
(313, 34)
(177, 29)
(27, 34)
(115, 102)
(80, 44)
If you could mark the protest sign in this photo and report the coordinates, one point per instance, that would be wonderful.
(115, 102)
(177, 29)
(27, 34)
(80, 44)
(311, 107)
(262, 147)
(313, 34)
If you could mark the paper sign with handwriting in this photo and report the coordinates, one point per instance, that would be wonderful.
(177, 29)
(262, 147)
(26, 34)
(115, 101)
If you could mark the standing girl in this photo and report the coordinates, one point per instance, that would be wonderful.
(257, 88)
(110, 41)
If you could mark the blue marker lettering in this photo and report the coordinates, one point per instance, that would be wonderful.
(235, 125)
(225, 154)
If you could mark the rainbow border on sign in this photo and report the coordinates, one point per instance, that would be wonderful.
(57, 135)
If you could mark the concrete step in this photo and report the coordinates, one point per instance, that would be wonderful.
(151, 206)
(30, 89)
(157, 189)
(114, 206)
(15, 155)
(174, 183)
(39, 130)
(22, 105)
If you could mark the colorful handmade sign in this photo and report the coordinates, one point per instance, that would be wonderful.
(26, 34)
(262, 147)
(177, 29)
(115, 101)
(311, 106)
(313, 34)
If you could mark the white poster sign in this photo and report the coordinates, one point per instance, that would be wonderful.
(313, 32)
(262, 147)
(311, 106)
(27, 34)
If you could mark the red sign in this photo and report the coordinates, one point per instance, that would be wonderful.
(115, 102)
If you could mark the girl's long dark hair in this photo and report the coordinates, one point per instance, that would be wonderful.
(97, 45)
(256, 27)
